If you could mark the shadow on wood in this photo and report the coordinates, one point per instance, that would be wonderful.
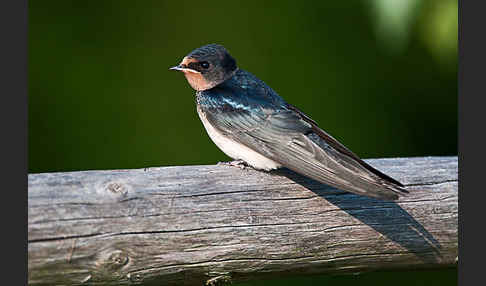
(389, 218)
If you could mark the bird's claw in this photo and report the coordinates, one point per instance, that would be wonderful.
(236, 163)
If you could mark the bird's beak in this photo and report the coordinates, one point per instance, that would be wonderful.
(183, 68)
(176, 68)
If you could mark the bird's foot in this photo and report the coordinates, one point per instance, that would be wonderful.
(236, 163)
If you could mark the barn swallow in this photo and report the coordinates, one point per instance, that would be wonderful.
(250, 122)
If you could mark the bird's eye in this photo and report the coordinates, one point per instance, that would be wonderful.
(204, 65)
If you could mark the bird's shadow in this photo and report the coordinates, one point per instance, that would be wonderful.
(386, 217)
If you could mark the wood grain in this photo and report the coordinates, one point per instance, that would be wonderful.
(196, 225)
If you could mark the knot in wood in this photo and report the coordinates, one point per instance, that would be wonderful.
(134, 277)
(118, 259)
(117, 188)
(109, 262)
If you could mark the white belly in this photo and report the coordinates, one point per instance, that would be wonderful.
(236, 150)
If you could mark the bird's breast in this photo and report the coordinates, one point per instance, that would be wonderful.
(234, 149)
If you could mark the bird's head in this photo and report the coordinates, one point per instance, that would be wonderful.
(207, 66)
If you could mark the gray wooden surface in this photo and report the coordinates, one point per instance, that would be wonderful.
(196, 225)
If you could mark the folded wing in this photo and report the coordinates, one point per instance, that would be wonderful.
(291, 138)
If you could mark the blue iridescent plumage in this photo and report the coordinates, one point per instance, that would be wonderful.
(242, 91)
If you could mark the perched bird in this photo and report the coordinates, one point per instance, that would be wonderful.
(250, 122)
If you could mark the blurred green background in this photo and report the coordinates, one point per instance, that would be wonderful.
(379, 75)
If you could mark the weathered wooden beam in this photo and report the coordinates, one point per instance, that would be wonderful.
(190, 225)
